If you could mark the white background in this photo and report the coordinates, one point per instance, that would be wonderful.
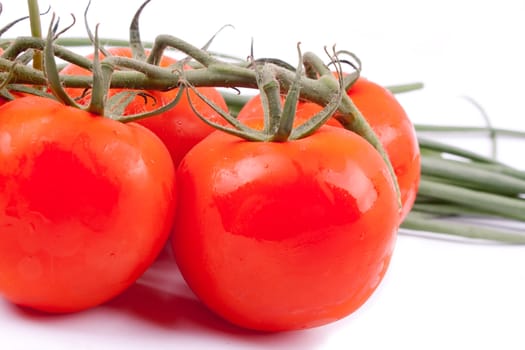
(437, 294)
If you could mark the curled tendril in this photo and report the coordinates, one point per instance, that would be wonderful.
(59, 33)
(9, 25)
(281, 117)
(251, 56)
(278, 62)
(117, 104)
(187, 59)
(319, 119)
(237, 90)
(164, 108)
(135, 42)
(356, 64)
(90, 33)
(238, 129)
(51, 68)
(207, 45)
(85, 93)
(147, 96)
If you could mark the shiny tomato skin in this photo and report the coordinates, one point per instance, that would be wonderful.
(86, 205)
(284, 236)
(390, 122)
(179, 128)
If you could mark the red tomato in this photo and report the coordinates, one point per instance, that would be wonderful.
(179, 128)
(286, 235)
(389, 121)
(86, 204)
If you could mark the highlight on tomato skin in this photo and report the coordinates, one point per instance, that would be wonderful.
(389, 121)
(286, 235)
(179, 128)
(395, 131)
(86, 205)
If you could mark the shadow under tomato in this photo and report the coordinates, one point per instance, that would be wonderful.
(164, 309)
(162, 297)
(161, 300)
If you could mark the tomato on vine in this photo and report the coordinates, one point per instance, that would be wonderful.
(287, 227)
(86, 204)
(281, 236)
(179, 128)
(387, 118)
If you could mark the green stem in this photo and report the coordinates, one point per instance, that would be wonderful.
(421, 222)
(85, 42)
(270, 98)
(470, 173)
(512, 208)
(286, 121)
(22, 74)
(448, 209)
(469, 129)
(502, 169)
(23, 44)
(101, 81)
(164, 41)
(332, 103)
(36, 30)
(428, 147)
(401, 88)
(453, 150)
(152, 72)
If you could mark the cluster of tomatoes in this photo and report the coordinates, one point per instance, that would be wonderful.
(270, 235)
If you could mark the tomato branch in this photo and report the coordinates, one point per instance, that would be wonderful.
(136, 74)
(36, 30)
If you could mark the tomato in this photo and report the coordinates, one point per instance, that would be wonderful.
(285, 235)
(179, 128)
(390, 122)
(86, 204)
